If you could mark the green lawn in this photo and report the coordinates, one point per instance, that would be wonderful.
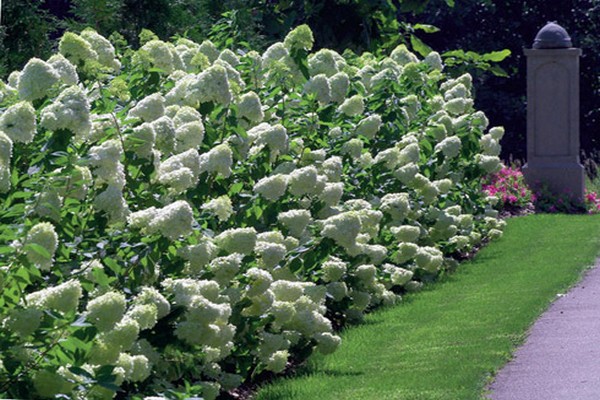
(447, 341)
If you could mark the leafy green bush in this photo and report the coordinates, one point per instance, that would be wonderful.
(179, 218)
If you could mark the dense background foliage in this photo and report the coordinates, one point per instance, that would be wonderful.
(472, 25)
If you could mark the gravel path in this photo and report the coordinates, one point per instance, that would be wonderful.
(561, 357)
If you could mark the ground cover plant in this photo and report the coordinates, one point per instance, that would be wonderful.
(449, 340)
(179, 218)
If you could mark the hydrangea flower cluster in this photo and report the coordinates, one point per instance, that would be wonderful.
(208, 211)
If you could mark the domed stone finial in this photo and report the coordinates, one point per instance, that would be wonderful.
(552, 36)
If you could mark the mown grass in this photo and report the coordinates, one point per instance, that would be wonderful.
(448, 341)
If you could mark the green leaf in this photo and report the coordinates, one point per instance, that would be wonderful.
(39, 250)
(496, 56)
(450, 3)
(426, 28)
(420, 47)
(498, 71)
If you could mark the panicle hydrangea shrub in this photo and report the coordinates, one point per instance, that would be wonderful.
(178, 218)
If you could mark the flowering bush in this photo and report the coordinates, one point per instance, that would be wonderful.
(508, 185)
(177, 219)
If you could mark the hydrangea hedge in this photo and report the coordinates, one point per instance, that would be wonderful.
(175, 220)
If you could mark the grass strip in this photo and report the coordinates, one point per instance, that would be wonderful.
(448, 340)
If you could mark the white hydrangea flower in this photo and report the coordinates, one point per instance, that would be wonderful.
(209, 50)
(250, 107)
(391, 157)
(164, 128)
(406, 252)
(459, 91)
(443, 185)
(37, 77)
(229, 57)
(343, 228)
(102, 47)
(149, 295)
(479, 120)
(497, 133)
(76, 49)
(287, 290)
(332, 193)
(412, 105)
(302, 180)
(234, 77)
(429, 259)
(398, 276)
(325, 61)
(112, 202)
(13, 79)
(141, 219)
(397, 205)
(299, 38)
(458, 106)
(105, 159)
(18, 122)
(43, 235)
(410, 154)
(270, 253)
(211, 85)
(259, 281)
(63, 297)
(172, 221)
(333, 168)
(353, 148)
(162, 55)
(402, 56)
(272, 187)
(366, 273)
(434, 60)
(333, 269)
(226, 268)
(320, 87)
(295, 221)
(136, 368)
(438, 131)
(369, 127)
(180, 171)
(335, 132)
(407, 173)
(149, 108)
(406, 233)
(220, 206)
(237, 240)
(489, 145)
(144, 314)
(337, 290)
(23, 322)
(141, 140)
(450, 146)
(70, 110)
(339, 83)
(327, 342)
(273, 136)
(490, 164)
(106, 310)
(189, 136)
(65, 70)
(218, 160)
(277, 361)
(353, 106)
(6, 147)
(199, 255)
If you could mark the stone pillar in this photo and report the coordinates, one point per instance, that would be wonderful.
(553, 114)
